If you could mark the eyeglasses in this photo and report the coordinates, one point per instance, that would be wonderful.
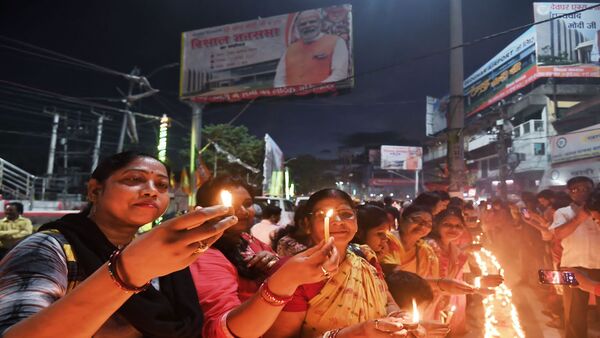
(343, 214)
(472, 219)
(421, 221)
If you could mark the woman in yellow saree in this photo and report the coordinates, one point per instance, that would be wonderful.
(354, 302)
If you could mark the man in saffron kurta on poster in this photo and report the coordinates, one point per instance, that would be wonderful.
(315, 57)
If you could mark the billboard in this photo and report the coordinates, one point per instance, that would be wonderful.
(567, 46)
(435, 115)
(564, 47)
(401, 158)
(505, 73)
(559, 174)
(297, 53)
(577, 145)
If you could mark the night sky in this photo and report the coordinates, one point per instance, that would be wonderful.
(123, 34)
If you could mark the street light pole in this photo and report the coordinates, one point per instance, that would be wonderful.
(195, 146)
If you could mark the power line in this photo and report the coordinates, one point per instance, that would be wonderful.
(73, 60)
(426, 56)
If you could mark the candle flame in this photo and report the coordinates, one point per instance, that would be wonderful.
(329, 213)
(226, 198)
(477, 282)
(416, 316)
(453, 308)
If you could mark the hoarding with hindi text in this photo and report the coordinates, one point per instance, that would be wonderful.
(401, 158)
(579, 144)
(297, 53)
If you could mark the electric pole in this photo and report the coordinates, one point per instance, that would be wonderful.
(455, 145)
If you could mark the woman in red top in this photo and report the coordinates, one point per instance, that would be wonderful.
(230, 277)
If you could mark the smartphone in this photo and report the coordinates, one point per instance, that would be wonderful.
(557, 277)
(525, 213)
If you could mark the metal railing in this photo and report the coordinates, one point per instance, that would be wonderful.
(16, 182)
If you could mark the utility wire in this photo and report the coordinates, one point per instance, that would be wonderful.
(424, 56)
(73, 60)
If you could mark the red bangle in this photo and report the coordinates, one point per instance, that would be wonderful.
(114, 275)
(271, 298)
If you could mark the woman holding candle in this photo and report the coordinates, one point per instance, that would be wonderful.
(414, 254)
(85, 275)
(231, 277)
(354, 302)
(447, 230)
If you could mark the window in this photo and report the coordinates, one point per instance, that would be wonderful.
(494, 163)
(539, 149)
(484, 168)
(517, 132)
(538, 125)
(526, 128)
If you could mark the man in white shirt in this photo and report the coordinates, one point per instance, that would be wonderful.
(268, 225)
(580, 237)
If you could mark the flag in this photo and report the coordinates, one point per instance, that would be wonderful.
(202, 174)
(184, 182)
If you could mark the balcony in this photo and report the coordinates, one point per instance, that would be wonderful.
(480, 141)
(531, 128)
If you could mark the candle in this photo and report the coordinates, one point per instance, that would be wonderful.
(414, 323)
(416, 316)
(326, 225)
(226, 198)
(477, 282)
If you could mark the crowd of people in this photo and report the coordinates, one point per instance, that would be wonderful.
(342, 269)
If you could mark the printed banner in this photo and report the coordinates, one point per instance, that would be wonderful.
(559, 174)
(272, 167)
(401, 158)
(576, 145)
(435, 118)
(571, 40)
(297, 53)
(502, 75)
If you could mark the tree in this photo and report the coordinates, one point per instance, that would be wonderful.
(311, 174)
(237, 141)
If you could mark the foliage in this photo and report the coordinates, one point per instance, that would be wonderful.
(237, 141)
(311, 174)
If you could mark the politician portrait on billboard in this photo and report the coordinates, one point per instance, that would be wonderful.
(297, 53)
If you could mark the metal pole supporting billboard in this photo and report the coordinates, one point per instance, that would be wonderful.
(195, 145)
(455, 148)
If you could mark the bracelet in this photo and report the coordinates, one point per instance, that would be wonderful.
(438, 285)
(114, 275)
(271, 298)
(331, 333)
